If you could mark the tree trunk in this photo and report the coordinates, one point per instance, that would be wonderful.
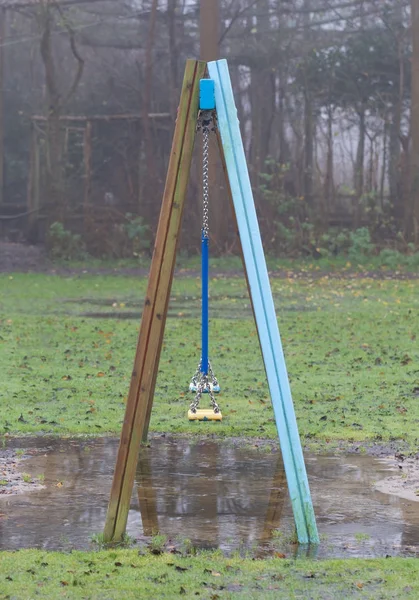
(412, 204)
(56, 101)
(263, 97)
(308, 149)
(209, 21)
(256, 91)
(383, 165)
(87, 159)
(405, 179)
(394, 175)
(359, 170)
(329, 186)
(54, 145)
(173, 55)
(151, 171)
(2, 39)
(395, 182)
(308, 116)
(284, 150)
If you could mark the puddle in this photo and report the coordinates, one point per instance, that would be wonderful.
(222, 307)
(214, 494)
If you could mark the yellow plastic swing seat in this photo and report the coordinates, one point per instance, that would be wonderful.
(204, 414)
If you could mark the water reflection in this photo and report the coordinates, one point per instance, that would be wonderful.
(216, 495)
(212, 495)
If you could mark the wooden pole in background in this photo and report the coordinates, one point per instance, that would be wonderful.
(209, 19)
(209, 27)
(146, 364)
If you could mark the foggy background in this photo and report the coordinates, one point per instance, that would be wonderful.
(89, 93)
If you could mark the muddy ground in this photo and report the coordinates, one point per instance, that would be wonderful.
(22, 258)
(406, 483)
(13, 479)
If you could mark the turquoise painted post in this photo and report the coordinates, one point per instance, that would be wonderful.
(206, 94)
(264, 308)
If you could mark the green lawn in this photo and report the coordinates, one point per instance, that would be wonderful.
(350, 346)
(128, 575)
(353, 359)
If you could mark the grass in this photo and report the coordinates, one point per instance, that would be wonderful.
(350, 346)
(126, 574)
(352, 356)
(387, 260)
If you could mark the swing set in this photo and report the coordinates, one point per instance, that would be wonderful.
(204, 380)
(207, 104)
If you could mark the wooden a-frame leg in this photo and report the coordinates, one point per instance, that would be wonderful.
(140, 397)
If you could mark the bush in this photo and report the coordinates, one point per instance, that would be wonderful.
(361, 245)
(138, 233)
(392, 258)
(64, 245)
(395, 260)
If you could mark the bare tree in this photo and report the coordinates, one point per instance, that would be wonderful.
(412, 212)
(56, 99)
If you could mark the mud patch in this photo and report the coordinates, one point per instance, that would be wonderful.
(404, 484)
(22, 258)
(13, 478)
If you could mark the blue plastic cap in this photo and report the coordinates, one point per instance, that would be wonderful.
(206, 94)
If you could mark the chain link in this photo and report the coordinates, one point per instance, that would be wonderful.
(201, 382)
(206, 125)
(204, 385)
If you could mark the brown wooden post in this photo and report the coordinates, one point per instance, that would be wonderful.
(140, 397)
(209, 26)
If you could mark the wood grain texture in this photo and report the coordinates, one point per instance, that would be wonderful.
(146, 363)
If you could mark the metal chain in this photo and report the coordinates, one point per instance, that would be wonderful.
(206, 122)
(198, 375)
(203, 385)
